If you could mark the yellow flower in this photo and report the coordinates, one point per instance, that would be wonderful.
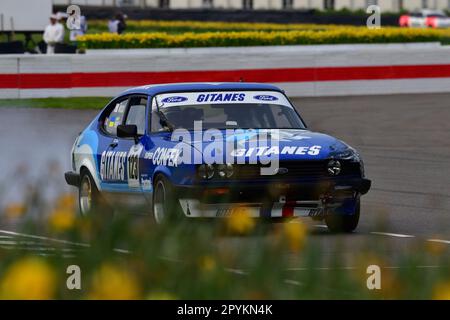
(14, 210)
(240, 221)
(207, 263)
(442, 291)
(266, 35)
(113, 283)
(28, 279)
(62, 220)
(160, 295)
(66, 201)
(435, 248)
(295, 233)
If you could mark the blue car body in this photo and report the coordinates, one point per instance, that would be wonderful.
(316, 175)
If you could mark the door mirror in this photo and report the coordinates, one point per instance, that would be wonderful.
(127, 131)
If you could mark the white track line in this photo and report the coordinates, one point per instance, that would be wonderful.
(44, 238)
(7, 242)
(293, 282)
(323, 226)
(236, 271)
(85, 245)
(356, 268)
(439, 241)
(396, 235)
(122, 251)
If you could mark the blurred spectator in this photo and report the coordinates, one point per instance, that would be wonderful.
(79, 32)
(53, 34)
(117, 24)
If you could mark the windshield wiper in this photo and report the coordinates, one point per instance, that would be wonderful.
(164, 121)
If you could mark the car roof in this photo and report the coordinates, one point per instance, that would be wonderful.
(199, 86)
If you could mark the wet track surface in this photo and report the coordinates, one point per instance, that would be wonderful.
(404, 140)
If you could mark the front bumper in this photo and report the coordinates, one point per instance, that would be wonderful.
(255, 192)
(309, 198)
(72, 178)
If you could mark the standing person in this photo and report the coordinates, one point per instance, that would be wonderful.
(53, 34)
(112, 25)
(117, 24)
(122, 24)
(79, 32)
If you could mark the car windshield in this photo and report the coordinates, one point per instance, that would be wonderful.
(244, 116)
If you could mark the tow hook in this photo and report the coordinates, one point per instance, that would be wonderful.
(326, 199)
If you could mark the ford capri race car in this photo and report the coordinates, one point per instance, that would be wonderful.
(208, 150)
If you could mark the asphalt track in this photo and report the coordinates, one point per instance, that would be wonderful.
(404, 140)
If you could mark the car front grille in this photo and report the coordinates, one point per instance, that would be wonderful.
(312, 169)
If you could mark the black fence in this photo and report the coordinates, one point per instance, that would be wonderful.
(275, 16)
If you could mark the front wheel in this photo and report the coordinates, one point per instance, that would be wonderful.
(344, 223)
(165, 202)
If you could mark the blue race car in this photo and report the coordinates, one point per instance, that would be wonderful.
(211, 149)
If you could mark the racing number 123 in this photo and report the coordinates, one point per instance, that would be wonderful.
(133, 167)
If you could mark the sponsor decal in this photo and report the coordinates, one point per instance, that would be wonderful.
(112, 165)
(275, 150)
(221, 97)
(224, 212)
(265, 97)
(166, 157)
(174, 99)
(146, 182)
(121, 166)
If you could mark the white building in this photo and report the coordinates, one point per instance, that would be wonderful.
(386, 5)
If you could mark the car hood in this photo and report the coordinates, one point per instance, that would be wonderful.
(288, 144)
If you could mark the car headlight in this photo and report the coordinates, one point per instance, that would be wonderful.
(334, 167)
(225, 170)
(206, 171)
(351, 155)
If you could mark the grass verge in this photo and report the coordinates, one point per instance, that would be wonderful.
(57, 103)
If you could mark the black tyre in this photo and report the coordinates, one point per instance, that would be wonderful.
(165, 202)
(90, 199)
(344, 223)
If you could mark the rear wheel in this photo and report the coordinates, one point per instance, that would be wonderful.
(344, 223)
(89, 198)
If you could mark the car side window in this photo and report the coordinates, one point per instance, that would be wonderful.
(136, 113)
(115, 117)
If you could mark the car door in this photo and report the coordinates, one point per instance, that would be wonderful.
(110, 164)
(124, 156)
(156, 141)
